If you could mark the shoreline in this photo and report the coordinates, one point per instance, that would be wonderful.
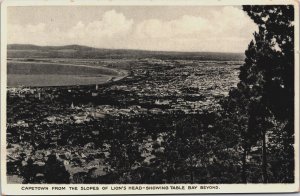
(56, 80)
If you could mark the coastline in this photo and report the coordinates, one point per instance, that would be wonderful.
(56, 80)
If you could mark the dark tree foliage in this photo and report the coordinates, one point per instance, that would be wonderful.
(262, 105)
(55, 171)
(270, 58)
(28, 172)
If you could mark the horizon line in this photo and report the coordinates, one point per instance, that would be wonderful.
(171, 51)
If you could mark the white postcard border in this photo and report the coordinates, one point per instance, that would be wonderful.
(18, 189)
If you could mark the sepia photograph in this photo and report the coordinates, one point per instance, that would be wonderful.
(159, 96)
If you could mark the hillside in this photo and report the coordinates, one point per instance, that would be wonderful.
(77, 51)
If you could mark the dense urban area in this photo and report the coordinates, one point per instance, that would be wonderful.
(92, 128)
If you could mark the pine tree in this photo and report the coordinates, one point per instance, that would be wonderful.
(266, 87)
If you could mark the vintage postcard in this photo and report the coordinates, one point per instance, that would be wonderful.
(149, 97)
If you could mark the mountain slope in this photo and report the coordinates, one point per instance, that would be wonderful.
(78, 51)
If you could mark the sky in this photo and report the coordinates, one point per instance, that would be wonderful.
(163, 28)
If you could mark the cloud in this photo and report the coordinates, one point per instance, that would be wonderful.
(112, 24)
(183, 27)
(97, 33)
(227, 30)
(23, 34)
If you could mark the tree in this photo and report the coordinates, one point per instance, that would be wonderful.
(274, 57)
(266, 87)
(28, 172)
(55, 171)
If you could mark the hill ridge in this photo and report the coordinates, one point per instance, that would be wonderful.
(81, 51)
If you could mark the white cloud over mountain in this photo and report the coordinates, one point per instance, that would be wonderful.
(228, 30)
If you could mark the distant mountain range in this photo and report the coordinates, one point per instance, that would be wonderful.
(35, 47)
(78, 51)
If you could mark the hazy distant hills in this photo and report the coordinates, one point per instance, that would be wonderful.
(78, 51)
(35, 47)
